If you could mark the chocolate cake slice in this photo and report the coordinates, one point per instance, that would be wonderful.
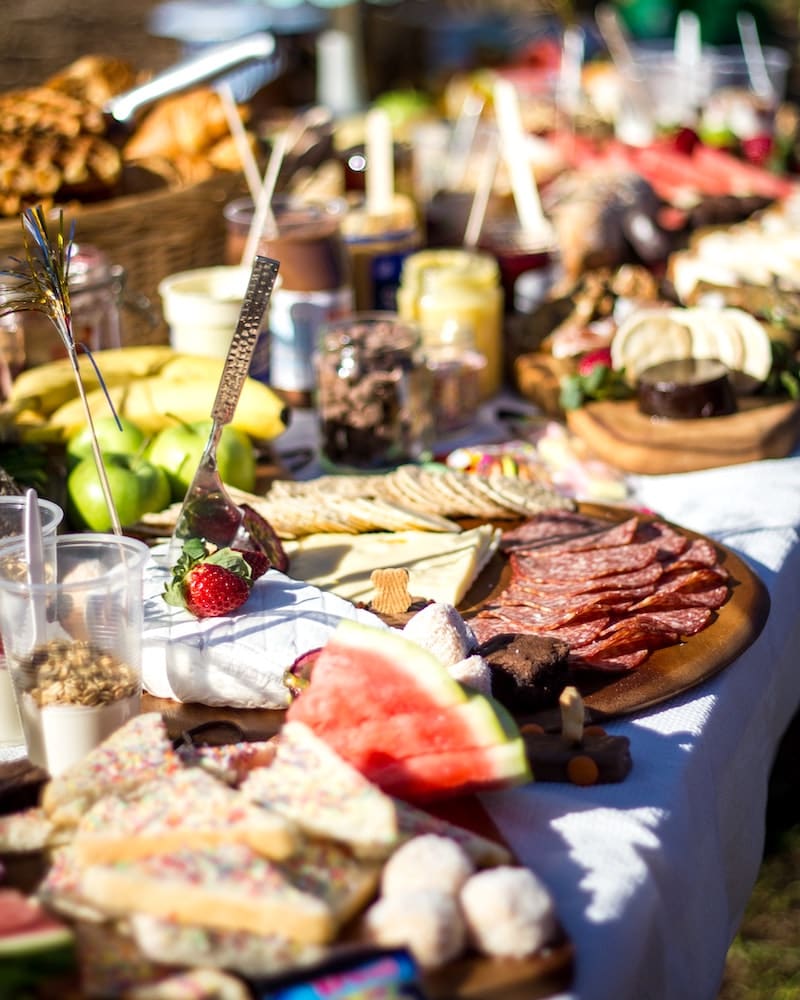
(529, 672)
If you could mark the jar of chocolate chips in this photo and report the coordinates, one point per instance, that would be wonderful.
(374, 393)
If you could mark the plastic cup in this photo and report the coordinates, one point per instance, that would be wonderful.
(73, 644)
(12, 524)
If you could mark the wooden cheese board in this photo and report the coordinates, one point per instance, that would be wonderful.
(618, 433)
(672, 670)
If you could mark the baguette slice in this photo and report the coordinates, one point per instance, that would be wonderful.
(188, 807)
(310, 784)
(231, 887)
(137, 752)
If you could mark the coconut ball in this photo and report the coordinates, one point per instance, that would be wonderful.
(426, 921)
(508, 912)
(473, 672)
(439, 628)
(428, 861)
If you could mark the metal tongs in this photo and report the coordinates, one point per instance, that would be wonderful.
(210, 64)
(208, 512)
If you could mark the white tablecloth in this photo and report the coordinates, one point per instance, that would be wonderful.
(651, 876)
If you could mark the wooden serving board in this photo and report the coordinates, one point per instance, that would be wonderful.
(669, 671)
(624, 437)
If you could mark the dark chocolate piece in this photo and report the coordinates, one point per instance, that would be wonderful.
(528, 671)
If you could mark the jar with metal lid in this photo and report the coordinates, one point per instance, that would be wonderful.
(97, 297)
(458, 367)
(461, 286)
(374, 393)
(314, 285)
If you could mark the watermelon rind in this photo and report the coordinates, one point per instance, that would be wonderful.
(32, 942)
(427, 777)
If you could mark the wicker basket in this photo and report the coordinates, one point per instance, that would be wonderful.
(150, 235)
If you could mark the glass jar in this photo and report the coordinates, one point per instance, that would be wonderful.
(457, 368)
(462, 286)
(374, 394)
(314, 285)
(97, 297)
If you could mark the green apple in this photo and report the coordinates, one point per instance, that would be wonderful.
(137, 487)
(125, 438)
(178, 450)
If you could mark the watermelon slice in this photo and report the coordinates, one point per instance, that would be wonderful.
(35, 948)
(363, 673)
(475, 723)
(430, 776)
(392, 710)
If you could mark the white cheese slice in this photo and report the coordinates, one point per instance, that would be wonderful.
(441, 567)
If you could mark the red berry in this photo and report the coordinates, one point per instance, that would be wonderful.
(208, 584)
(213, 590)
(684, 140)
(590, 360)
(757, 149)
(256, 560)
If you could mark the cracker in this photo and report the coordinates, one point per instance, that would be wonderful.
(391, 590)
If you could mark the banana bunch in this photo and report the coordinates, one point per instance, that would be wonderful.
(150, 385)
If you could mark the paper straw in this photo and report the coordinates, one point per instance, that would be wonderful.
(237, 130)
(753, 53)
(379, 180)
(568, 93)
(483, 192)
(688, 50)
(462, 140)
(263, 219)
(34, 558)
(513, 143)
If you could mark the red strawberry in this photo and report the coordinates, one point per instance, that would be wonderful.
(212, 591)
(207, 584)
(256, 560)
(590, 360)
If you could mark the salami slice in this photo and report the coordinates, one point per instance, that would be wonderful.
(586, 565)
(614, 662)
(606, 537)
(691, 581)
(700, 552)
(670, 541)
(684, 621)
(713, 597)
(580, 631)
(632, 580)
(548, 527)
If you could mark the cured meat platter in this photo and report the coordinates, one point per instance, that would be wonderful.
(669, 671)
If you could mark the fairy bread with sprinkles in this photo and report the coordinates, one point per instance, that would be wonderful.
(309, 783)
(231, 887)
(187, 807)
(138, 751)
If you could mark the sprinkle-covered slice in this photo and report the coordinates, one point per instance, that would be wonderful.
(309, 783)
(232, 888)
(188, 807)
(137, 752)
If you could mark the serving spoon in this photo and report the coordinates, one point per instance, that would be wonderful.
(208, 511)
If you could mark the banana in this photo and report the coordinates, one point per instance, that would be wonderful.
(154, 402)
(46, 387)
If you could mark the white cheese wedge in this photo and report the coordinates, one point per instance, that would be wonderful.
(441, 567)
